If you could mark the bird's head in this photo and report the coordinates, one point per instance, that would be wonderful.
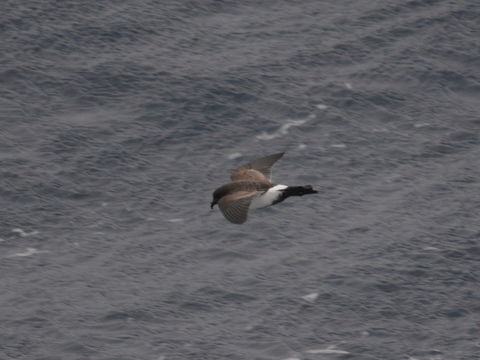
(212, 204)
(218, 194)
(215, 199)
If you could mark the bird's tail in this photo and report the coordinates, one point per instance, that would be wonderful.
(299, 190)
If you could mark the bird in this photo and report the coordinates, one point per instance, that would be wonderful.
(252, 188)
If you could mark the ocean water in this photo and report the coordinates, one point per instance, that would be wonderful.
(119, 118)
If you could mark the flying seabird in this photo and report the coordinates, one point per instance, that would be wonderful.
(251, 188)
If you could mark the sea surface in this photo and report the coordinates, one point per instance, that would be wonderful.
(119, 118)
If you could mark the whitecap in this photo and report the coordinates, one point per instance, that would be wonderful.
(23, 233)
(339, 146)
(27, 252)
(348, 86)
(329, 350)
(321, 106)
(234, 155)
(266, 136)
(431, 248)
(421, 125)
(283, 130)
(176, 220)
(302, 146)
(310, 297)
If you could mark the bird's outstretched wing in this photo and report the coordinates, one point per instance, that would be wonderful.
(235, 206)
(258, 170)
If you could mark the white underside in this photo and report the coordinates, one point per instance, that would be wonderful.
(267, 198)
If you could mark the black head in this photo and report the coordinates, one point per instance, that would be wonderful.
(219, 193)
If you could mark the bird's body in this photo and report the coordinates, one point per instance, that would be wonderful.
(270, 197)
(251, 188)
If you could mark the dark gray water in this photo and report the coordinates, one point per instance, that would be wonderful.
(119, 118)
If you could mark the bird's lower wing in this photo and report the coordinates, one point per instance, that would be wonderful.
(235, 206)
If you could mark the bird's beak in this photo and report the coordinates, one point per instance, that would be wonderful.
(211, 205)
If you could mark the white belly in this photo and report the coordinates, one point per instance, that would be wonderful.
(267, 198)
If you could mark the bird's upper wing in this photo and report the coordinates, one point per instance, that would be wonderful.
(235, 206)
(258, 170)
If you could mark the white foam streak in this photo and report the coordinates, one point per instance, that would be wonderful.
(329, 350)
(233, 156)
(310, 297)
(421, 125)
(27, 252)
(23, 233)
(283, 130)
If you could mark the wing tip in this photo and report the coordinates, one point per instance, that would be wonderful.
(237, 222)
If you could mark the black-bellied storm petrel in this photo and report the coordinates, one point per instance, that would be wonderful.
(251, 188)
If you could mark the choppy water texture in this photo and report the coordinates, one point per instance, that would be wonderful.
(119, 119)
